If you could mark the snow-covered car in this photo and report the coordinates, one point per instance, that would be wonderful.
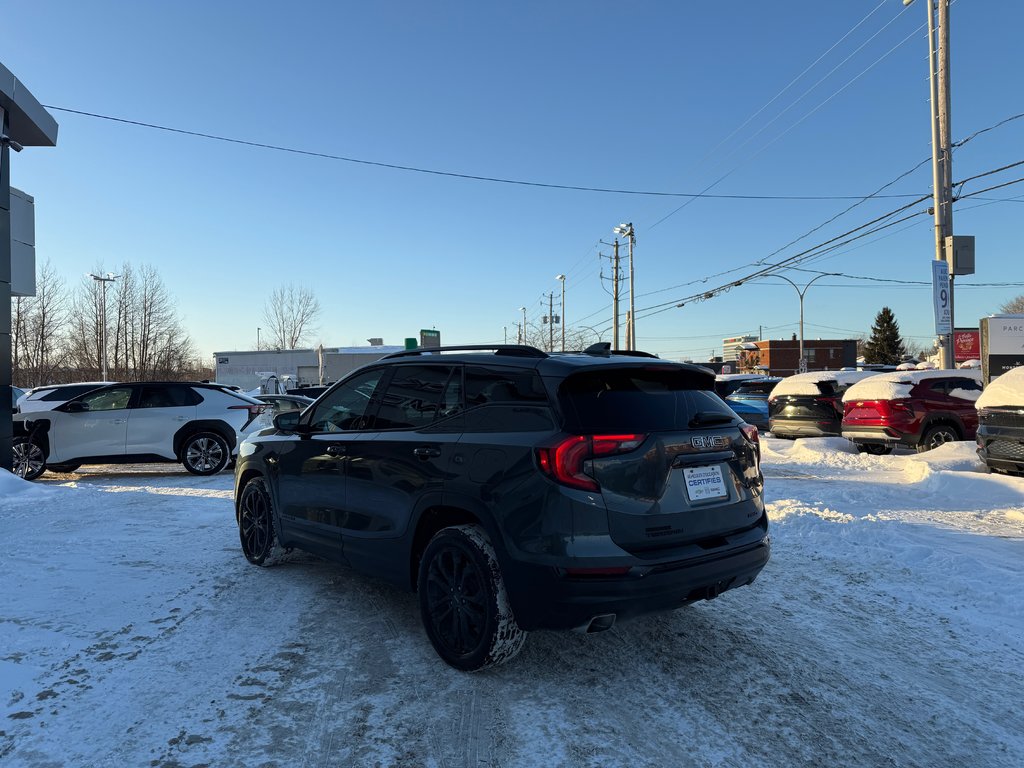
(919, 409)
(810, 404)
(727, 383)
(198, 425)
(47, 397)
(1000, 434)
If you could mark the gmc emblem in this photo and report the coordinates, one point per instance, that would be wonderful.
(712, 441)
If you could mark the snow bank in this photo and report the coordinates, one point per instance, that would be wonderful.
(1008, 389)
(14, 488)
(807, 383)
(895, 385)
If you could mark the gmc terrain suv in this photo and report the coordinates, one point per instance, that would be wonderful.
(514, 489)
(196, 424)
(917, 409)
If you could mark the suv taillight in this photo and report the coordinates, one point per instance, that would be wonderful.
(563, 461)
(750, 432)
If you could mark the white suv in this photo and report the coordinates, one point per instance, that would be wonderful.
(198, 425)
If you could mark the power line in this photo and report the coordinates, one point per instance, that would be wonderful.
(448, 174)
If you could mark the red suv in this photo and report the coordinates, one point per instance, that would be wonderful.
(918, 409)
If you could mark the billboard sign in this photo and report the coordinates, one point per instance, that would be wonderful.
(430, 338)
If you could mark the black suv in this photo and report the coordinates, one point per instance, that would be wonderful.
(514, 489)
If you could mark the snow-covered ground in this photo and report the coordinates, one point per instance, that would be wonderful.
(888, 629)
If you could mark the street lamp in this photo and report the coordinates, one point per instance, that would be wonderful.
(522, 330)
(801, 294)
(103, 280)
(258, 329)
(626, 230)
(562, 279)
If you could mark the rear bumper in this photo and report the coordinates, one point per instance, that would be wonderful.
(803, 428)
(878, 435)
(554, 600)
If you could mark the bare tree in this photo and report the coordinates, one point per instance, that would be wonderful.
(1014, 306)
(290, 314)
(145, 337)
(38, 326)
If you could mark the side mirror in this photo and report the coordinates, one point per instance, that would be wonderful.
(75, 406)
(288, 421)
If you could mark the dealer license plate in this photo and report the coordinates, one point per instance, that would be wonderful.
(704, 483)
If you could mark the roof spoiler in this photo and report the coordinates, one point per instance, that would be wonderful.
(604, 349)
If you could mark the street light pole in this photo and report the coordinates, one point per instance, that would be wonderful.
(522, 332)
(562, 279)
(801, 294)
(108, 278)
(258, 329)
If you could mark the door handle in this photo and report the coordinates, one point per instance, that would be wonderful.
(335, 450)
(426, 453)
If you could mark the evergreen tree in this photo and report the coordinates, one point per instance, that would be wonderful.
(885, 345)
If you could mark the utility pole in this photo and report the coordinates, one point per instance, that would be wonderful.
(551, 322)
(942, 154)
(562, 313)
(615, 294)
(945, 133)
(626, 230)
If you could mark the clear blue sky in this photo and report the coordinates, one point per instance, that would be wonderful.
(640, 96)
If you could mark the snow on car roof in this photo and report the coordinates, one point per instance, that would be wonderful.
(807, 383)
(735, 376)
(897, 384)
(1007, 389)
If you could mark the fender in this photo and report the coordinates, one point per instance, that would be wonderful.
(222, 428)
(36, 430)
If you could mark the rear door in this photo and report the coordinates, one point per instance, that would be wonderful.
(694, 475)
(159, 412)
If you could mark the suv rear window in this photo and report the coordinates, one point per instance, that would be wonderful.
(636, 400)
(69, 393)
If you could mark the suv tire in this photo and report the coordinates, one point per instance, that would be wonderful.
(463, 603)
(29, 461)
(256, 525)
(935, 436)
(205, 453)
(875, 449)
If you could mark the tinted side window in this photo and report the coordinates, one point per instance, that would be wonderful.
(166, 396)
(413, 398)
(350, 406)
(503, 385)
(636, 400)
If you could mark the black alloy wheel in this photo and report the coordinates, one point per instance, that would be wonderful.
(256, 530)
(936, 436)
(29, 461)
(205, 453)
(463, 603)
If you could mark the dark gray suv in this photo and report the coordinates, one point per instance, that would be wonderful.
(514, 489)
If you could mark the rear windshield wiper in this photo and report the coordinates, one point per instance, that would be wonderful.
(708, 418)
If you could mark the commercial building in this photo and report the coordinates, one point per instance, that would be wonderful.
(293, 368)
(781, 357)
